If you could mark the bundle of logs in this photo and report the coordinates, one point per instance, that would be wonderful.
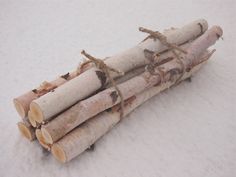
(69, 114)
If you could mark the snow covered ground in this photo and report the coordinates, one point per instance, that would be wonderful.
(187, 131)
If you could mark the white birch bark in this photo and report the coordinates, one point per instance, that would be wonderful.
(90, 107)
(162, 59)
(81, 138)
(91, 80)
(22, 102)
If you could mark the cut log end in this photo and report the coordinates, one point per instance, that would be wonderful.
(36, 112)
(218, 30)
(203, 24)
(41, 139)
(46, 135)
(19, 108)
(25, 131)
(59, 153)
(31, 120)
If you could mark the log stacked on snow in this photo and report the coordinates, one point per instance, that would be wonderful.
(71, 113)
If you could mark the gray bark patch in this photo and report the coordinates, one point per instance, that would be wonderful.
(114, 96)
(201, 27)
(35, 91)
(102, 77)
(91, 148)
(148, 54)
(173, 73)
(65, 76)
(217, 35)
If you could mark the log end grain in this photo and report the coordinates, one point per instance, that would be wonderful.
(46, 135)
(19, 108)
(218, 30)
(41, 140)
(58, 153)
(36, 112)
(25, 131)
(203, 25)
(31, 120)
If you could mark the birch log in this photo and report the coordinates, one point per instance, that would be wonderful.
(31, 120)
(22, 103)
(41, 140)
(163, 58)
(90, 107)
(81, 138)
(26, 129)
(91, 80)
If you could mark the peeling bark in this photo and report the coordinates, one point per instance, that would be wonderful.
(90, 107)
(89, 82)
(81, 138)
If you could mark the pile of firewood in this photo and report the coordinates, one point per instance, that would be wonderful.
(70, 113)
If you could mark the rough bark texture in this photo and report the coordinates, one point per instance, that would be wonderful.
(44, 107)
(88, 133)
(90, 107)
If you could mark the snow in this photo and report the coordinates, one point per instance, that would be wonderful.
(187, 131)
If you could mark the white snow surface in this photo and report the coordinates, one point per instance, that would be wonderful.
(187, 131)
